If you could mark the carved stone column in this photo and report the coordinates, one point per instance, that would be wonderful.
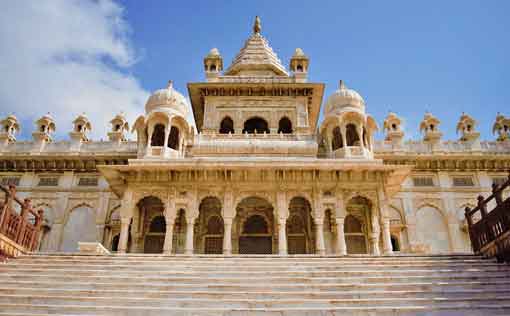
(340, 236)
(319, 239)
(124, 234)
(282, 237)
(387, 248)
(190, 223)
(169, 234)
(227, 236)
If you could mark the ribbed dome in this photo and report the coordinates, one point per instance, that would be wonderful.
(345, 98)
(167, 98)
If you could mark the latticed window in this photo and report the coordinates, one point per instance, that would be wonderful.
(463, 182)
(48, 182)
(423, 182)
(10, 181)
(87, 181)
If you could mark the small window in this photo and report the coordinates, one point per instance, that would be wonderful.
(463, 182)
(10, 181)
(87, 182)
(227, 126)
(423, 182)
(285, 126)
(48, 182)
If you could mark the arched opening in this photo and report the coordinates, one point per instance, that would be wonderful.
(256, 125)
(285, 126)
(115, 243)
(299, 227)
(152, 225)
(158, 135)
(179, 233)
(299, 68)
(352, 136)
(209, 231)
(357, 226)
(173, 138)
(80, 226)
(337, 141)
(254, 225)
(395, 245)
(354, 236)
(227, 126)
(365, 137)
(213, 68)
(432, 240)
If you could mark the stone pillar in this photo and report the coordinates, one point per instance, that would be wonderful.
(282, 237)
(227, 236)
(374, 244)
(169, 234)
(124, 234)
(340, 236)
(319, 226)
(190, 223)
(387, 247)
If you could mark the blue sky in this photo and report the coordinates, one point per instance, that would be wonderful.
(405, 56)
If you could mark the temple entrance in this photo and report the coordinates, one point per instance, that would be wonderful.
(155, 237)
(356, 228)
(299, 227)
(254, 225)
(209, 231)
(153, 224)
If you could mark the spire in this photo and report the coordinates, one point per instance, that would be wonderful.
(256, 25)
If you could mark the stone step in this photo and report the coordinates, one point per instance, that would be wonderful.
(267, 294)
(250, 287)
(269, 279)
(79, 271)
(249, 303)
(101, 310)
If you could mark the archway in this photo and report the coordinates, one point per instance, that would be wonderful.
(209, 232)
(299, 227)
(115, 243)
(153, 225)
(155, 237)
(336, 141)
(356, 225)
(173, 138)
(80, 226)
(256, 125)
(285, 126)
(431, 230)
(227, 126)
(158, 135)
(351, 135)
(254, 226)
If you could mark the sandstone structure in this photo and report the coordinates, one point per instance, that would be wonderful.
(260, 174)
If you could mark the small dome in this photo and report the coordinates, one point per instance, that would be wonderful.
(299, 53)
(214, 53)
(345, 98)
(167, 98)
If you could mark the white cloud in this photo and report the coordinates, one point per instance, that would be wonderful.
(67, 57)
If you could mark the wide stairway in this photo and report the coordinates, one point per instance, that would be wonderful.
(72, 284)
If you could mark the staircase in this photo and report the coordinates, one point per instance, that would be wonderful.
(72, 284)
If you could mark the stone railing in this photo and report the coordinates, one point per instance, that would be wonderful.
(256, 79)
(454, 147)
(490, 231)
(106, 147)
(20, 225)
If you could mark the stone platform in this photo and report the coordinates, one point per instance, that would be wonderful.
(73, 284)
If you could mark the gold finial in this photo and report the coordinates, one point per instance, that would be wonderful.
(256, 26)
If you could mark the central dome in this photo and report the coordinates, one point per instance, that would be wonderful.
(345, 99)
(167, 99)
